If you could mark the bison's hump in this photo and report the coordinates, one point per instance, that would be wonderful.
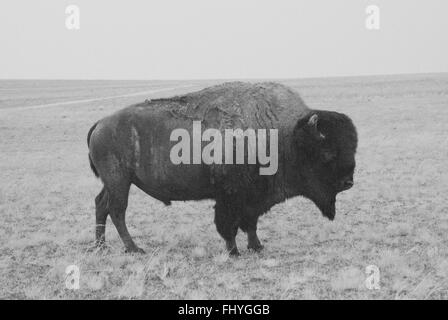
(236, 104)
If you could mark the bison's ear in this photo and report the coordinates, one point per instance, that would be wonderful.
(312, 127)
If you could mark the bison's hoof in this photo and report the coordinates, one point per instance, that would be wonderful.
(234, 252)
(98, 247)
(135, 250)
(256, 248)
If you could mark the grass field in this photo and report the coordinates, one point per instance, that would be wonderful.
(395, 217)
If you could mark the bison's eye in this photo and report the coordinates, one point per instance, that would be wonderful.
(328, 155)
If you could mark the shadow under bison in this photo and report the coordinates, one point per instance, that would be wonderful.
(316, 157)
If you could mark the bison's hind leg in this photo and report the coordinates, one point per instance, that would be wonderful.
(118, 202)
(101, 210)
(113, 201)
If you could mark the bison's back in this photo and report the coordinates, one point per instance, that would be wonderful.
(235, 104)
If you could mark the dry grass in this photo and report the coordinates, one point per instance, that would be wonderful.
(396, 216)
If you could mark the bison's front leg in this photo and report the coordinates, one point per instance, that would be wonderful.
(249, 224)
(226, 220)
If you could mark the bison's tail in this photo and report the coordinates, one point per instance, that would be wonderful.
(92, 166)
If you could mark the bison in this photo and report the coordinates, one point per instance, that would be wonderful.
(316, 157)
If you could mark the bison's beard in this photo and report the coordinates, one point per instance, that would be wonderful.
(327, 205)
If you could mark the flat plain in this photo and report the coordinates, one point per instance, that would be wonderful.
(394, 218)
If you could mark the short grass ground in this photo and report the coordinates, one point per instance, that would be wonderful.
(395, 217)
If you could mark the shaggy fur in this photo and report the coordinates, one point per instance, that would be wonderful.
(316, 156)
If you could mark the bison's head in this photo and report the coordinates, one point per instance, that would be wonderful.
(325, 143)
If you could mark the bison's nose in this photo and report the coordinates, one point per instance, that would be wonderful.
(347, 184)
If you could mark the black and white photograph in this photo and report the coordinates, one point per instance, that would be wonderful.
(242, 150)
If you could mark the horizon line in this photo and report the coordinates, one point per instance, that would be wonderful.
(233, 79)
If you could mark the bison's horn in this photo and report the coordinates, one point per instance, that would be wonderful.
(312, 123)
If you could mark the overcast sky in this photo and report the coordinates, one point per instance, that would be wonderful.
(194, 39)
